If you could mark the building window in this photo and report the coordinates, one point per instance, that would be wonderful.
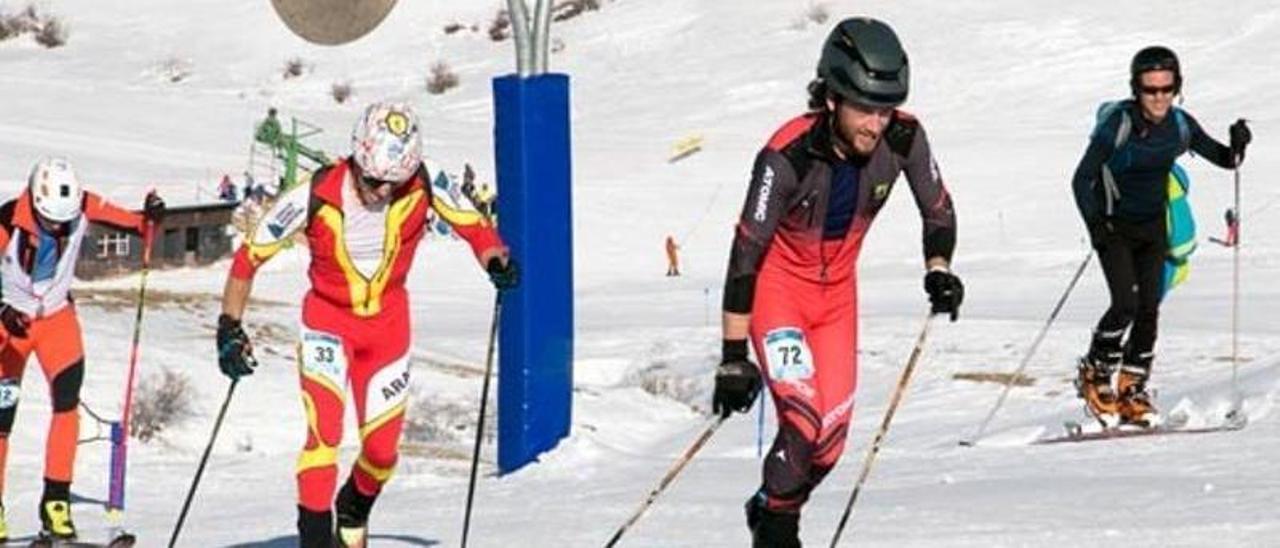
(113, 244)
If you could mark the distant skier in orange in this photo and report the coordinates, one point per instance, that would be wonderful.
(673, 260)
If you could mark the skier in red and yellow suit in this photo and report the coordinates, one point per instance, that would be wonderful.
(363, 218)
(40, 236)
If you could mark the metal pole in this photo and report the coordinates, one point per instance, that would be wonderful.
(519, 12)
(1236, 399)
(1026, 359)
(484, 401)
(884, 426)
(667, 479)
(541, 36)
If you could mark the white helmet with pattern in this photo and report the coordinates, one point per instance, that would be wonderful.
(55, 189)
(386, 142)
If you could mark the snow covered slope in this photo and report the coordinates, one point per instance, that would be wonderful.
(1007, 91)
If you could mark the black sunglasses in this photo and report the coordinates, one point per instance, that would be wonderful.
(375, 183)
(1152, 90)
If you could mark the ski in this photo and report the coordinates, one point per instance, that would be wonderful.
(1075, 432)
(122, 540)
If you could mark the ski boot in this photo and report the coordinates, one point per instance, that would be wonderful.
(4, 526)
(1093, 385)
(1135, 405)
(353, 515)
(770, 529)
(315, 529)
(55, 520)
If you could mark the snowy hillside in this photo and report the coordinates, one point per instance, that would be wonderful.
(1007, 90)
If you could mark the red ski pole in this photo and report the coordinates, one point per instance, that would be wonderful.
(120, 430)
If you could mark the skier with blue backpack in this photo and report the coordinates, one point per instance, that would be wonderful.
(1132, 197)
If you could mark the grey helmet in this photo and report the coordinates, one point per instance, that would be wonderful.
(863, 62)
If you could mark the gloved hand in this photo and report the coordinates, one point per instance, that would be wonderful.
(737, 380)
(1099, 231)
(945, 292)
(15, 322)
(1240, 138)
(153, 208)
(235, 353)
(503, 276)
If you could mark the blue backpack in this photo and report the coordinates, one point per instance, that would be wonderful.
(1179, 222)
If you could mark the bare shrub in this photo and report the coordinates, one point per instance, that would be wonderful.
(341, 91)
(160, 401)
(174, 69)
(294, 67)
(568, 9)
(817, 13)
(8, 27)
(500, 27)
(453, 27)
(441, 79)
(48, 30)
(53, 33)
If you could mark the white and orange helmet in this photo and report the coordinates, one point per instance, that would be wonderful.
(387, 142)
(55, 190)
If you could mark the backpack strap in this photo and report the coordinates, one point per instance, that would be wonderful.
(1110, 188)
(1184, 129)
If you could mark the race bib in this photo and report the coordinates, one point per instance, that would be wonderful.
(788, 355)
(9, 391)
(322, 357)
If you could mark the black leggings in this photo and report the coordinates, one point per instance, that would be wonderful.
(1132, 258)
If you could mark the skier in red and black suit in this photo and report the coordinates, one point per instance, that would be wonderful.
(792, 279)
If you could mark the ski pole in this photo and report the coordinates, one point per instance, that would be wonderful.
(667, 479)
(204, 459)
(484, 401)
(884, 426)
(1026, 359)
(760, 426)
(1236, 399)
(120, 437)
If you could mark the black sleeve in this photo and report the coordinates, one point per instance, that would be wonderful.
(1089, 171)
(773, 181)
(1208, 147)
(937, 212)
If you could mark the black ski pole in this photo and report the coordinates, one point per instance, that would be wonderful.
(484, 403)
(1026, 359)
(903, 380)
(195, 482)
(667, 479)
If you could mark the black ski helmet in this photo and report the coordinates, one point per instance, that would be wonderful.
(863, 62)
(1152, 58)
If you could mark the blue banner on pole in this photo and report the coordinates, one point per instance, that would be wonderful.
(534, 207)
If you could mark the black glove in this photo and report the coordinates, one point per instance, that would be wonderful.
(1240, 138)
(503, 276)
(153, 208)
(945, 292)
(1100, 230)
(235, 354)
(737, 380)
(15, 322)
